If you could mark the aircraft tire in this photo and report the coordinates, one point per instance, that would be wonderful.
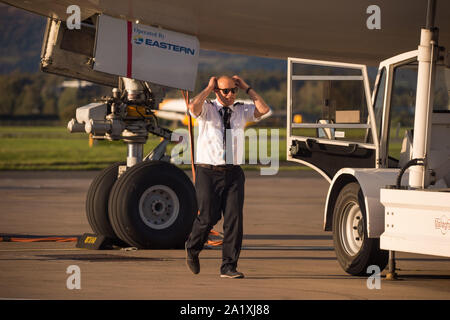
(97, 202)
(153, 206)
(354, 250)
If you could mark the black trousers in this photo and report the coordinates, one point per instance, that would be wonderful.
(219, 192)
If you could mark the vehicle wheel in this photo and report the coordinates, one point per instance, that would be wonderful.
(354, 250)
(153, 205)
(97, 202)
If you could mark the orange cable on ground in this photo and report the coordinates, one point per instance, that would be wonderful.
(215, 233)
(43, 239)
(191, 139)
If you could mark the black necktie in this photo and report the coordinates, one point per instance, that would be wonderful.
(225, 112)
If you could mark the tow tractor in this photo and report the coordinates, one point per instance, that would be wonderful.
(386, 155)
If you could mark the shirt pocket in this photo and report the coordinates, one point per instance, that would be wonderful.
(217, 124)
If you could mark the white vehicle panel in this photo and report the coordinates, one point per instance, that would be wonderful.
(416, 221)
(371, 181)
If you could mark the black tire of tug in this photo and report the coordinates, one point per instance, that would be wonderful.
(370, 252)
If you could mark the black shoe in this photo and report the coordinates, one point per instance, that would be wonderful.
(232, 274)
(192, 262)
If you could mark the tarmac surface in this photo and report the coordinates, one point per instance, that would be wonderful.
(286, 254)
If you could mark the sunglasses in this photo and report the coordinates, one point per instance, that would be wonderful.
(226, 91)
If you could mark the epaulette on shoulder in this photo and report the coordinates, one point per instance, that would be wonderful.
(237, 103)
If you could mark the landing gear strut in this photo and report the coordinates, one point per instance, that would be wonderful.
(145, 202)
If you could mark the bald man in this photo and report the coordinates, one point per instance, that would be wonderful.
(219, 178)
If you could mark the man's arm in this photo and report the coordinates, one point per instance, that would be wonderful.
(261, 106)
(196, 104)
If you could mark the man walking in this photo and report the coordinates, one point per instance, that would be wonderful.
(219, 178)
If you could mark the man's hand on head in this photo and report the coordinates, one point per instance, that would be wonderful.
(196, 104)
(240, 83)
(212, 85)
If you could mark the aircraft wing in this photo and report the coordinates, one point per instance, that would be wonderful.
(318, 29)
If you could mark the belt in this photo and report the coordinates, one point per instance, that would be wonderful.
(223, 167)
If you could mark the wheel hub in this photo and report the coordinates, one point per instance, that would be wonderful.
(159, 207)
(352, 229)
(360, 228)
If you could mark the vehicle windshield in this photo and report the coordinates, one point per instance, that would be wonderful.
(442, 90)
(403, 102)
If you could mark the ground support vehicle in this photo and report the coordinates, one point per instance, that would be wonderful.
(385, 154)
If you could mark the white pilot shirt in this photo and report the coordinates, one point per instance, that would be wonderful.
(210, 149)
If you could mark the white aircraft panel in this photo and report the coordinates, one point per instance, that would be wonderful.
(146, 53)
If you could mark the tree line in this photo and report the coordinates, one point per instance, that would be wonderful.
(42, 94)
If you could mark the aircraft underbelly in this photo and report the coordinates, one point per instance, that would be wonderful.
(320, 29)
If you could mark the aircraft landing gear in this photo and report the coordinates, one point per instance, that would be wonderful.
(145, 202)
(153, 205)
(97, 203)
